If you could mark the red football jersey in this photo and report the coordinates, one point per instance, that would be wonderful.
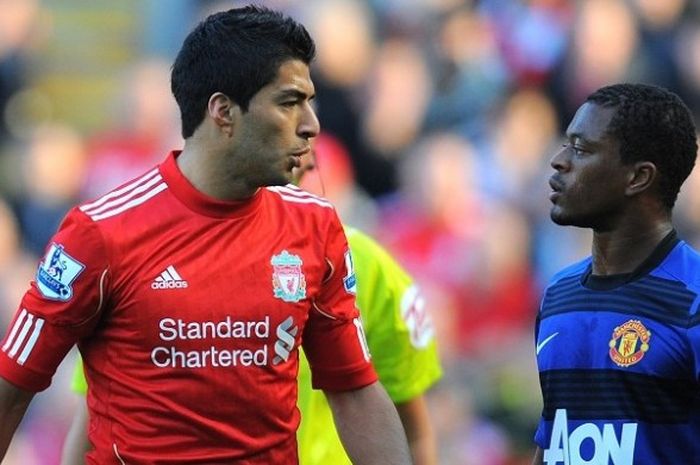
(189, 312)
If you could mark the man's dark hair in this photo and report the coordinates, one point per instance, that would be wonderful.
(236, 52)
(652, 124)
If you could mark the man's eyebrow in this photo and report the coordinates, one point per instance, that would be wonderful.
(579, 136)
(295, 93)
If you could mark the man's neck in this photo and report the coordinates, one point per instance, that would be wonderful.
(624, 250)
(206, 169)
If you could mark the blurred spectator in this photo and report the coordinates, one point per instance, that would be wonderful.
(16, 265)
(346, 49)
(334, 178)
(468, 73)
(659, 15)
(602, 50)
(398, 97)
(497, 300)
(435, 219)
(432, 226)
(17, 21)
(144, 129)
(53, 172)
(520, 138)
(659, 28)
(343, 25)
(532, 35)
(687, 53)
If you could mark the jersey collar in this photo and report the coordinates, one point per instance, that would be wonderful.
(603, 283)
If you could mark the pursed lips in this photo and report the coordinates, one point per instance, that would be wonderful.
(556, 185)
(301, 152)
(296, 156)
(557, 188)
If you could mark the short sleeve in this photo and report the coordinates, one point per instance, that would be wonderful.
(334, 340)
(61, 306)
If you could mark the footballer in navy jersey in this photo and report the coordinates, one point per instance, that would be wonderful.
(617, 334)
(618, 361)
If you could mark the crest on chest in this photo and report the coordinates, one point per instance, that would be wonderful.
(629, 343)
(288, 280)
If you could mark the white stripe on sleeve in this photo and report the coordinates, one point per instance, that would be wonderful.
(15, 327)
(22, 334)
(31, 342)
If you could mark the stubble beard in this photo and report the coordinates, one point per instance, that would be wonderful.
(594, 221)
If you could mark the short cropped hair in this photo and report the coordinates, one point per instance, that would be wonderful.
(236, 52)
(652, 124)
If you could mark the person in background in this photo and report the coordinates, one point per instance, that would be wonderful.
(618, 334)
(189, 289)
(400, 337)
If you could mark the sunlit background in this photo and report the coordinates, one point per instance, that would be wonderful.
(439, 118)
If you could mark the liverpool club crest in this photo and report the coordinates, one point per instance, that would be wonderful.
(288, 281)
(629, 343)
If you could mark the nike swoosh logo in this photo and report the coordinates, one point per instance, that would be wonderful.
(543, 343)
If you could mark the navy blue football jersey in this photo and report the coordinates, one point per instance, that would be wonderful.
(619, 363)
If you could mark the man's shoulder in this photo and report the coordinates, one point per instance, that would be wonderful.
(292, 204)
(291, 210)
(125, 198)
(293, 197)
(681, 264)
(574, 270)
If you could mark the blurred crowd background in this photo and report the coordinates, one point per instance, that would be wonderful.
(439, 119)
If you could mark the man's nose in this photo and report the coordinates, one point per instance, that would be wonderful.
(309, 126)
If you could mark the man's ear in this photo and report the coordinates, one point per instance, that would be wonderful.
(641, 178)
(222, 111)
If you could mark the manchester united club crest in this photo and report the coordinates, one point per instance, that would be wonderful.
(629, 343)
(288, 281)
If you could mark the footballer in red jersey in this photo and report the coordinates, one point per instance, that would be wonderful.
(181, 300)
(190, 289)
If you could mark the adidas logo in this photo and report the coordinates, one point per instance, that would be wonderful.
(169, 279)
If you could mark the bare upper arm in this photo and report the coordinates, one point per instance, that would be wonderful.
(13, 404)
(358, 404)
(340, 398)
(369, 426)
(13, 398)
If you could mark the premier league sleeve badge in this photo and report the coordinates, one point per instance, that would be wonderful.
(56, 273)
